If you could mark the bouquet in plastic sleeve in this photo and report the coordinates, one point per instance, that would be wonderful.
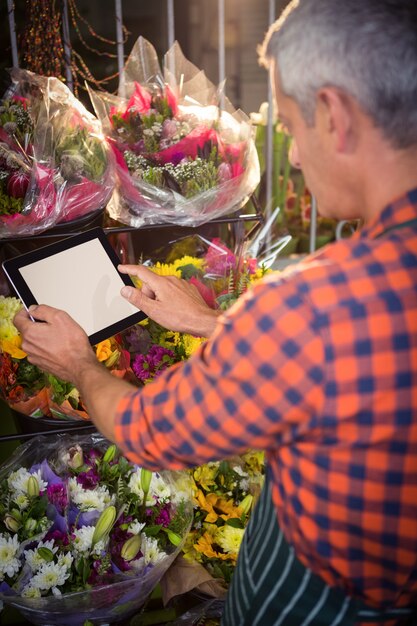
(55, 165)
(23, 385)
(84, 533)
(29, 390)
(181, 157)
(225, 493)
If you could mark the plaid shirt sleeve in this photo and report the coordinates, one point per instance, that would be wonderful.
(254, 384)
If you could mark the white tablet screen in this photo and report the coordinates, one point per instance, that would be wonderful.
(83, 282)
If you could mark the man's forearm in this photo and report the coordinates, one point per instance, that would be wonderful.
(101, 393)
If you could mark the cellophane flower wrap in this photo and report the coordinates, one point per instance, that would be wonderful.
(55, 165)
(84, 533)
(29, 390)
(184, 154)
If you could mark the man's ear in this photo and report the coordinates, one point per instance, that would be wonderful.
(335, 116)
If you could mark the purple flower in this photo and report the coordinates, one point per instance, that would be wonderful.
(149, 366)
(169, 129)
(164, 517)
(58, 537)
(89, 479)
(57, 495)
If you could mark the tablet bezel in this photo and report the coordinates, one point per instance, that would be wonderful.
(12, 267)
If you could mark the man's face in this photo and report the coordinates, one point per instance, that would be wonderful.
(312, 151)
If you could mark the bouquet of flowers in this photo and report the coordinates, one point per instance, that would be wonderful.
(30, 391)
(181, 158)
(55, 165)
(224, 495)
(219, 274)
(84, 533)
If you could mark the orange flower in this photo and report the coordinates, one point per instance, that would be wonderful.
(103, 350)
(205, 546)
(216, 507)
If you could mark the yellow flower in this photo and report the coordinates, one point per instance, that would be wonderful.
(12, 347)
(166, 269)
(189, 551)
(229, 539)
(191, 344)
(103, 350)
(7, 329)
(188, 260)
(205, 475)
(254, 461)
(205, 546)
(9, 307)
(216, 507)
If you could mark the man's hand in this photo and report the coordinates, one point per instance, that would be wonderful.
(170, 301)
(55, 342)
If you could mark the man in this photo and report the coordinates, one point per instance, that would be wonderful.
(318, 365)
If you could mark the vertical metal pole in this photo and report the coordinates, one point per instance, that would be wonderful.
(12, 28)
(171, 23)
(222, 52)
(270, 133)
(67, 45)
(120, 46)
(313, 225)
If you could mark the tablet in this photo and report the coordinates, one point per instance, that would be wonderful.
(79, 275)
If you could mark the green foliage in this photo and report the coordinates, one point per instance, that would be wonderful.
(9, 205)
(80, 153)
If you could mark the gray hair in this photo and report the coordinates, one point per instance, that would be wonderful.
(367, 48)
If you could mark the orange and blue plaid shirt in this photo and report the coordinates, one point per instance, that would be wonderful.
(318, 366)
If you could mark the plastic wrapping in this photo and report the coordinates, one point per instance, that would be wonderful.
(89, 534)
(55, 166)
(32, 392)
(184, 154)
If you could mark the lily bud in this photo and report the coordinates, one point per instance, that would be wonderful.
(16, 514)
(173, 537)
(246, 504)
(113, 358)
(130, 548)
(110, 453)
(145, 480)
(33, 486)
(75, 457)
(104, 524)
(46, 554)
(11, 523)
(30, 525)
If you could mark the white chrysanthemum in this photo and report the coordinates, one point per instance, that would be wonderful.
(241, 472)
(150, 550)
(18, 480)
(9, 563)
(50, 575)
(158, 489)
(83, 539)
(34, 559)
(135, 527)
(65, 560)
(230, 538)
(90, 499)
(56, 592)
(22, 501)
(30, 592)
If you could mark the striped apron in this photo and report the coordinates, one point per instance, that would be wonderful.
(271, 587)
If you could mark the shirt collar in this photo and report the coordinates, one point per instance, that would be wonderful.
(401, 210)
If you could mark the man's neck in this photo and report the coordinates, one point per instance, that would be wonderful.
(388, 175)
